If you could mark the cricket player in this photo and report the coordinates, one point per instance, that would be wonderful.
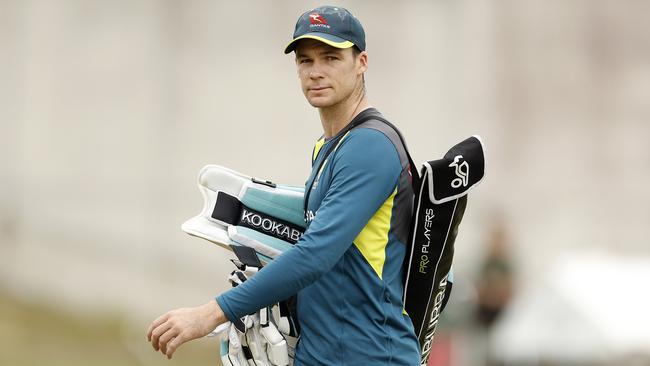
(347, 268)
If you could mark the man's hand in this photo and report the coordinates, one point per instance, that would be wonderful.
(178, 326)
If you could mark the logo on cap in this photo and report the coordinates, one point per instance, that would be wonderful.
(317, 20)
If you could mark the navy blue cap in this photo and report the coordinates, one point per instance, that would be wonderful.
(332, 25)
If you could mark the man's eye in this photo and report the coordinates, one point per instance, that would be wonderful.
(303, 61)
(332, 58)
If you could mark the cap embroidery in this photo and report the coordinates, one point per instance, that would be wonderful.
(317, 20)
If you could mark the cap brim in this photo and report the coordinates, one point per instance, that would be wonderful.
(326, 38)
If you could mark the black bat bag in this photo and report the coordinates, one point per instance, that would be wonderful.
(438, 208)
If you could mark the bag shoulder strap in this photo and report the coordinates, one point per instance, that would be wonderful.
(415, 176)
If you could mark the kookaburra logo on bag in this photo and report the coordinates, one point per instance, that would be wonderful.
(462, 172)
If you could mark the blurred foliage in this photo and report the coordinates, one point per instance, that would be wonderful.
(38, 334)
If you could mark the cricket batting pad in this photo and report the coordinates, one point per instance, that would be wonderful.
(241, 210)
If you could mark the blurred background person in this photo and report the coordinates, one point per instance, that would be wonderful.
(495, 279)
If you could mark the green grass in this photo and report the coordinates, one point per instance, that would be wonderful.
(37, 334)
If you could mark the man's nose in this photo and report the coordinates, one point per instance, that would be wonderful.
(315, 71)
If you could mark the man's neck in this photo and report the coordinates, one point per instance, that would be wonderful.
(336, 117)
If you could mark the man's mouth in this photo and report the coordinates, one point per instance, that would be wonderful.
(318, 88)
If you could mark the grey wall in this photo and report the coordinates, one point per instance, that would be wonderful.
(108, 109)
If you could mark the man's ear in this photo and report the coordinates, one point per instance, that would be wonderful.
(363, 62)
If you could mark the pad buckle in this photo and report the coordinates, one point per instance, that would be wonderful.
(264, 182)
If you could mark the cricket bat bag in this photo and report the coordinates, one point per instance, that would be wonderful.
(440, 200)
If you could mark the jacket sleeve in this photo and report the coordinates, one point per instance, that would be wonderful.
(365, 172)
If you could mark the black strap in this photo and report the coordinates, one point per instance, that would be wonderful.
(247, 256)
(231, 210)
(415, 176)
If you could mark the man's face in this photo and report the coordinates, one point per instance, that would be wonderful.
(328, 74)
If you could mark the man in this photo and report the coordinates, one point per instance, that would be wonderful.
(347, 268)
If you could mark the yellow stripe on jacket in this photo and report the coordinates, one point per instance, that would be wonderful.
(372, 240)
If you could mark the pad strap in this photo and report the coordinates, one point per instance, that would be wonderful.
(230, 210)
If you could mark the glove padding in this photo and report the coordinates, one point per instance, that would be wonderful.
(264, 338)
